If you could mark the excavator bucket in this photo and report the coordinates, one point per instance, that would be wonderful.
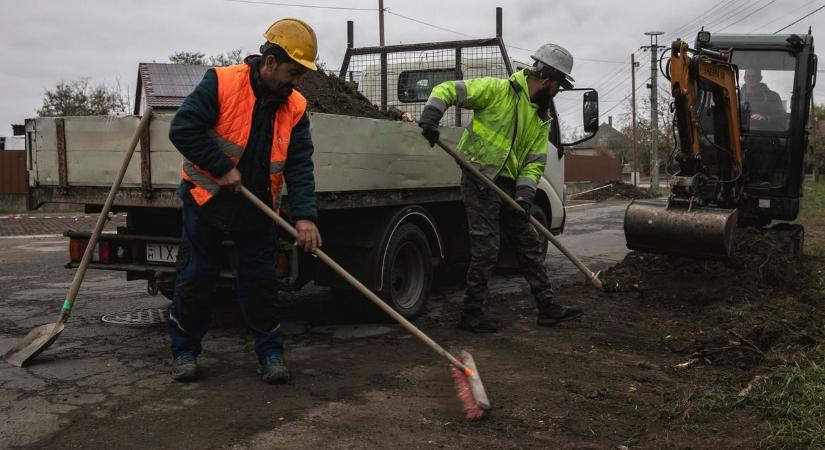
(655, 226)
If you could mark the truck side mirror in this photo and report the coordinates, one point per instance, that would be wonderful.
(590, 117)
(590, 112)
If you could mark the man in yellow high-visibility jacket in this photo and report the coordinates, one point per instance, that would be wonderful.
(507, 141)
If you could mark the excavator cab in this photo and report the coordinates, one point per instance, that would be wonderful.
(741, 105)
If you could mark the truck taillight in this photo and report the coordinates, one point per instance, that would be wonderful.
(103, 251)
(76, 249)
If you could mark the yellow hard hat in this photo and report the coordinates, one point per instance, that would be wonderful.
(297, 39)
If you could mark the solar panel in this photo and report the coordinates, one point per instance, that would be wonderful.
(172, 80)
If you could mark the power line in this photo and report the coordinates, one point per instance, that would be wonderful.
(752, 13)
(788, 13)
(800, 19)
(578, 59)
(302, 6)
(412, 19)
(733, 13)
(697, 20)
(476, 37)
(428, 24)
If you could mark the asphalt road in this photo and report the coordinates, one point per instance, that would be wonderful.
(104, 385)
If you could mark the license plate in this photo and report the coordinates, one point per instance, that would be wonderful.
(162, 253)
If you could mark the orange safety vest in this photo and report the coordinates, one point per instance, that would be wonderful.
(236, 102)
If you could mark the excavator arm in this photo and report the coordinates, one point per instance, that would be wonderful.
(699, 217)
(712, 68)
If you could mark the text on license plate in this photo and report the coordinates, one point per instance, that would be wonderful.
(167, 253)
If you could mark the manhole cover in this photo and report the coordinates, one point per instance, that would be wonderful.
(141, 317)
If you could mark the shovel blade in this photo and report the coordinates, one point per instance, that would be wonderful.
(32, 344)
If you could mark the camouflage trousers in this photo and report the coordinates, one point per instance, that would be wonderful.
(488, 217)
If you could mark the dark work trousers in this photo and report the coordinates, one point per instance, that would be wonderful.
(199, 261)
(488, 217)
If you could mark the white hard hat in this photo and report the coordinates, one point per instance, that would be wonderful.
(556, 57)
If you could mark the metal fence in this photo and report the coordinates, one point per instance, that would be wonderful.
(12, 172)
(402, 76)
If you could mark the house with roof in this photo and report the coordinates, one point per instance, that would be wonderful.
(600, 159)
(163, 86)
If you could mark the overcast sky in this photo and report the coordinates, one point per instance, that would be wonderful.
(45, 41)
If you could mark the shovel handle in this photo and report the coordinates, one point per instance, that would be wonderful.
(101, 220)
(355, 283)
(591, 276)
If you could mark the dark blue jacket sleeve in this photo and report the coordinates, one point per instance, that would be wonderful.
(188, 130)
(299, 173)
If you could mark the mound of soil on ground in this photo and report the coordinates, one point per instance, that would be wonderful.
(734, 312)
(616, 189)
(332, 95)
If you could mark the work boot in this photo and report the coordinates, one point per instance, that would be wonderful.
(185, 367)
(555, 313)
(273, 370)
(477, 322)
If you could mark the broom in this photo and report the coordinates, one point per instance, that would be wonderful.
(465, 373)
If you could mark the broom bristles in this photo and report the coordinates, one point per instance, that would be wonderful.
(472, 410)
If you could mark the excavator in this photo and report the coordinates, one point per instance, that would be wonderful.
(739, 155)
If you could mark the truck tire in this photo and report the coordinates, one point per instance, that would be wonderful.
(407, 271)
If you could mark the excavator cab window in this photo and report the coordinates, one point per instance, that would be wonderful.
(766, 83)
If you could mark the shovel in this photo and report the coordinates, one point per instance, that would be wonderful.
(40, 338)
(592, 277)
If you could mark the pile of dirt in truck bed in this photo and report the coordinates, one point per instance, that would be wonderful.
(330, 94)
(616, 189)
(732, 312)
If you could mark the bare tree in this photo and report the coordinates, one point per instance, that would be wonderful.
(193, 58)
(200, 59)
(643, 130)
(80, 98)
(227, 59)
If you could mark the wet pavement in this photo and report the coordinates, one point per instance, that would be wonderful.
(109, 373)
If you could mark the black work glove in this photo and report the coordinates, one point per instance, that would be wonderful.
(430, 132)
(430, 117)
(526, 205)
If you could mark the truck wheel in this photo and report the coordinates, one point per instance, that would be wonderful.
(407, 271)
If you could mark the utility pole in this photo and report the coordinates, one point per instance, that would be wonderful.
(633, 65)
(381, 23)
(654, 112)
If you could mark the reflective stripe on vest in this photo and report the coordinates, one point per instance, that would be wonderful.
(236, 101)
